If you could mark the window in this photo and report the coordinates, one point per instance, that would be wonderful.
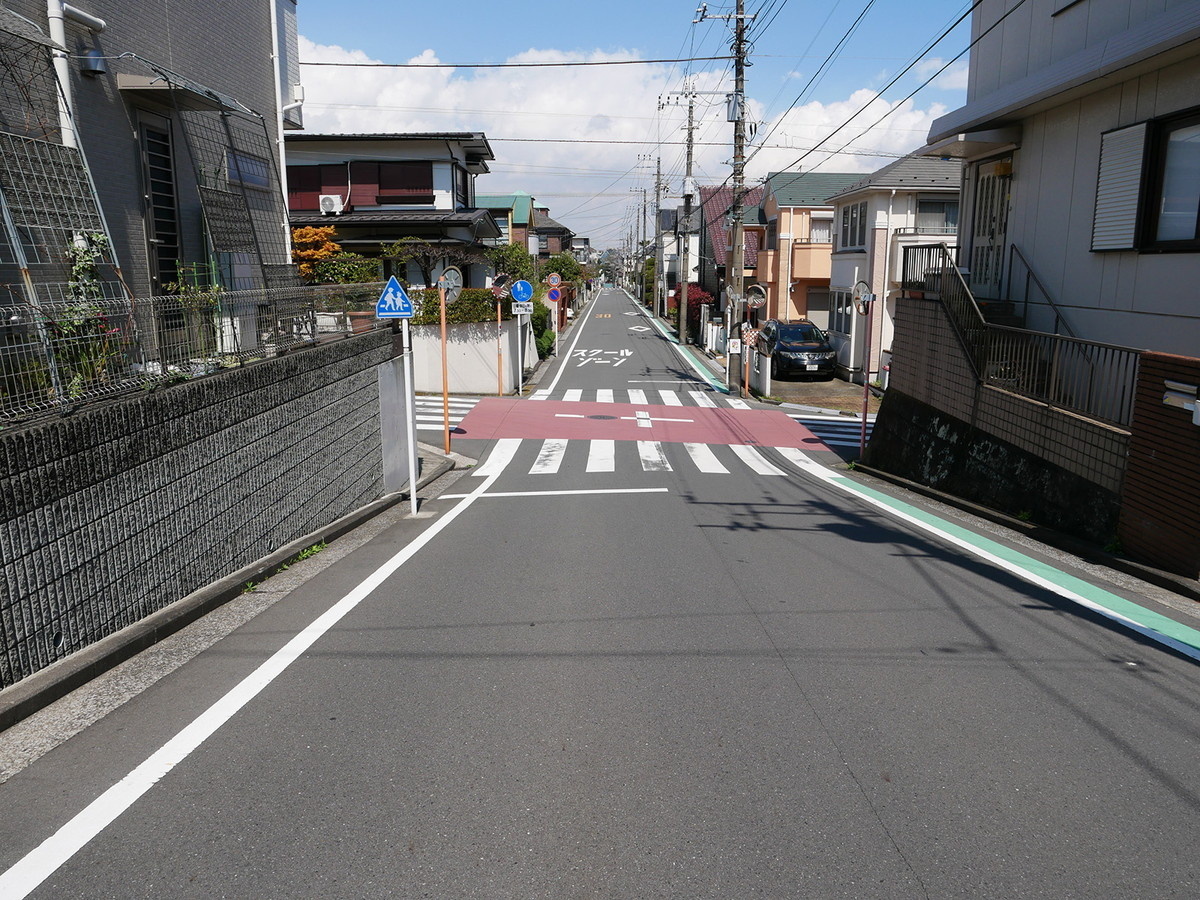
(819, 231)
(306, 184)
(1148, 186)
(462, 188)
(543, 243)
(937, 216)
(841, 312)
(158, 165)
(391, 183)
(1174, 216)
(405, 182)
(854, 226)
(248, 170)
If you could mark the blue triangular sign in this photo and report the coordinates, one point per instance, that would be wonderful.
(393, 302)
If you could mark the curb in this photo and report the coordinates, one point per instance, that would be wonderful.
(39, 690)
(1176, 584)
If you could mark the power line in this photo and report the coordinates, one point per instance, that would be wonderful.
(528, 65)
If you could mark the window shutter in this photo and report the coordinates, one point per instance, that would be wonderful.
(364, 183)
(335, 180)
(304, 184)
(1119, 188)
(411, 182)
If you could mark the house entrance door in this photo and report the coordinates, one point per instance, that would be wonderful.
(993, 182)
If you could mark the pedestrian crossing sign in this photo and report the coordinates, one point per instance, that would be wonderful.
(393, 302)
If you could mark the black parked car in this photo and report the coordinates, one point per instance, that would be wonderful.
(799, 347)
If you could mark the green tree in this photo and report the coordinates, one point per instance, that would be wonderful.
(565, 265)
(512, 260)
(427, 256)
(649, 268)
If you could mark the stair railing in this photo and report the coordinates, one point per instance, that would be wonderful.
(1061, 326)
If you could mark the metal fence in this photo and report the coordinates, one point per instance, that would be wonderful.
(59, 354)
(1094, 379)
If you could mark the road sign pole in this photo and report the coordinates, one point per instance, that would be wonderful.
(409, 408)
(499, 354)
(445, 368)
(520, 355)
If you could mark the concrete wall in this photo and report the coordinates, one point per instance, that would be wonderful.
(939, 426)
(117, 511)
(471, 356)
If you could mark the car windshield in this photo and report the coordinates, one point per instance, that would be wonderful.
(800, 334)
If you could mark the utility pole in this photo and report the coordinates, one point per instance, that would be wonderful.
(641, 247)
(658, 244)
(685, 262)
(735, 272)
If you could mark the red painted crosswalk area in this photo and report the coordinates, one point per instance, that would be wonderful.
(503, 417)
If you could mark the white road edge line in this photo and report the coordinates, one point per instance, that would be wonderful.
(562, 366)
(40, 863)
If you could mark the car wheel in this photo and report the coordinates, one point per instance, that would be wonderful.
(774, 368)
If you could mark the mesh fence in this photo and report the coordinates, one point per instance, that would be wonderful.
(62, 353)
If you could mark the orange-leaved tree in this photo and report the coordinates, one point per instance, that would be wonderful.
(310, 245)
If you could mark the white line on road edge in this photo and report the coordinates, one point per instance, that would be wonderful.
(1146, 622)
(41, 862)
(562, 363)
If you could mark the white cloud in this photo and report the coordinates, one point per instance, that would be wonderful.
(617, 107)
(953, 79)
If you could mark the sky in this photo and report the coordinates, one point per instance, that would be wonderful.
(587, 140)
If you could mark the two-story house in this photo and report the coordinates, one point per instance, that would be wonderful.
(794, 262)
(911, 201)
(377, 188)
(168, 148)
(1081, 142)
(715, 205)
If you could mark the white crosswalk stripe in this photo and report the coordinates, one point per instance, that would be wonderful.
(704, 458)
(550, 458)
(429, 413)
(608, 456)
(653, 458)
(640, 397)
(836, 431)
(602, 456)
(755, 460)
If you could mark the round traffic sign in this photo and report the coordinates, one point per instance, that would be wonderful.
(521, 291)
(554, 294)
(554, 279)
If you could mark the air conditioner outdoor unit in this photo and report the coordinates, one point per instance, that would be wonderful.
(332, 204)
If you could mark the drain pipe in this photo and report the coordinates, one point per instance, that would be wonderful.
(56, 13)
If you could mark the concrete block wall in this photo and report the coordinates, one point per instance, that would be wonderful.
(938, 425)
(930, 365)
(116, 512)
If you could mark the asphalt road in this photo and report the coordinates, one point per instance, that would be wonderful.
(650, 647)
